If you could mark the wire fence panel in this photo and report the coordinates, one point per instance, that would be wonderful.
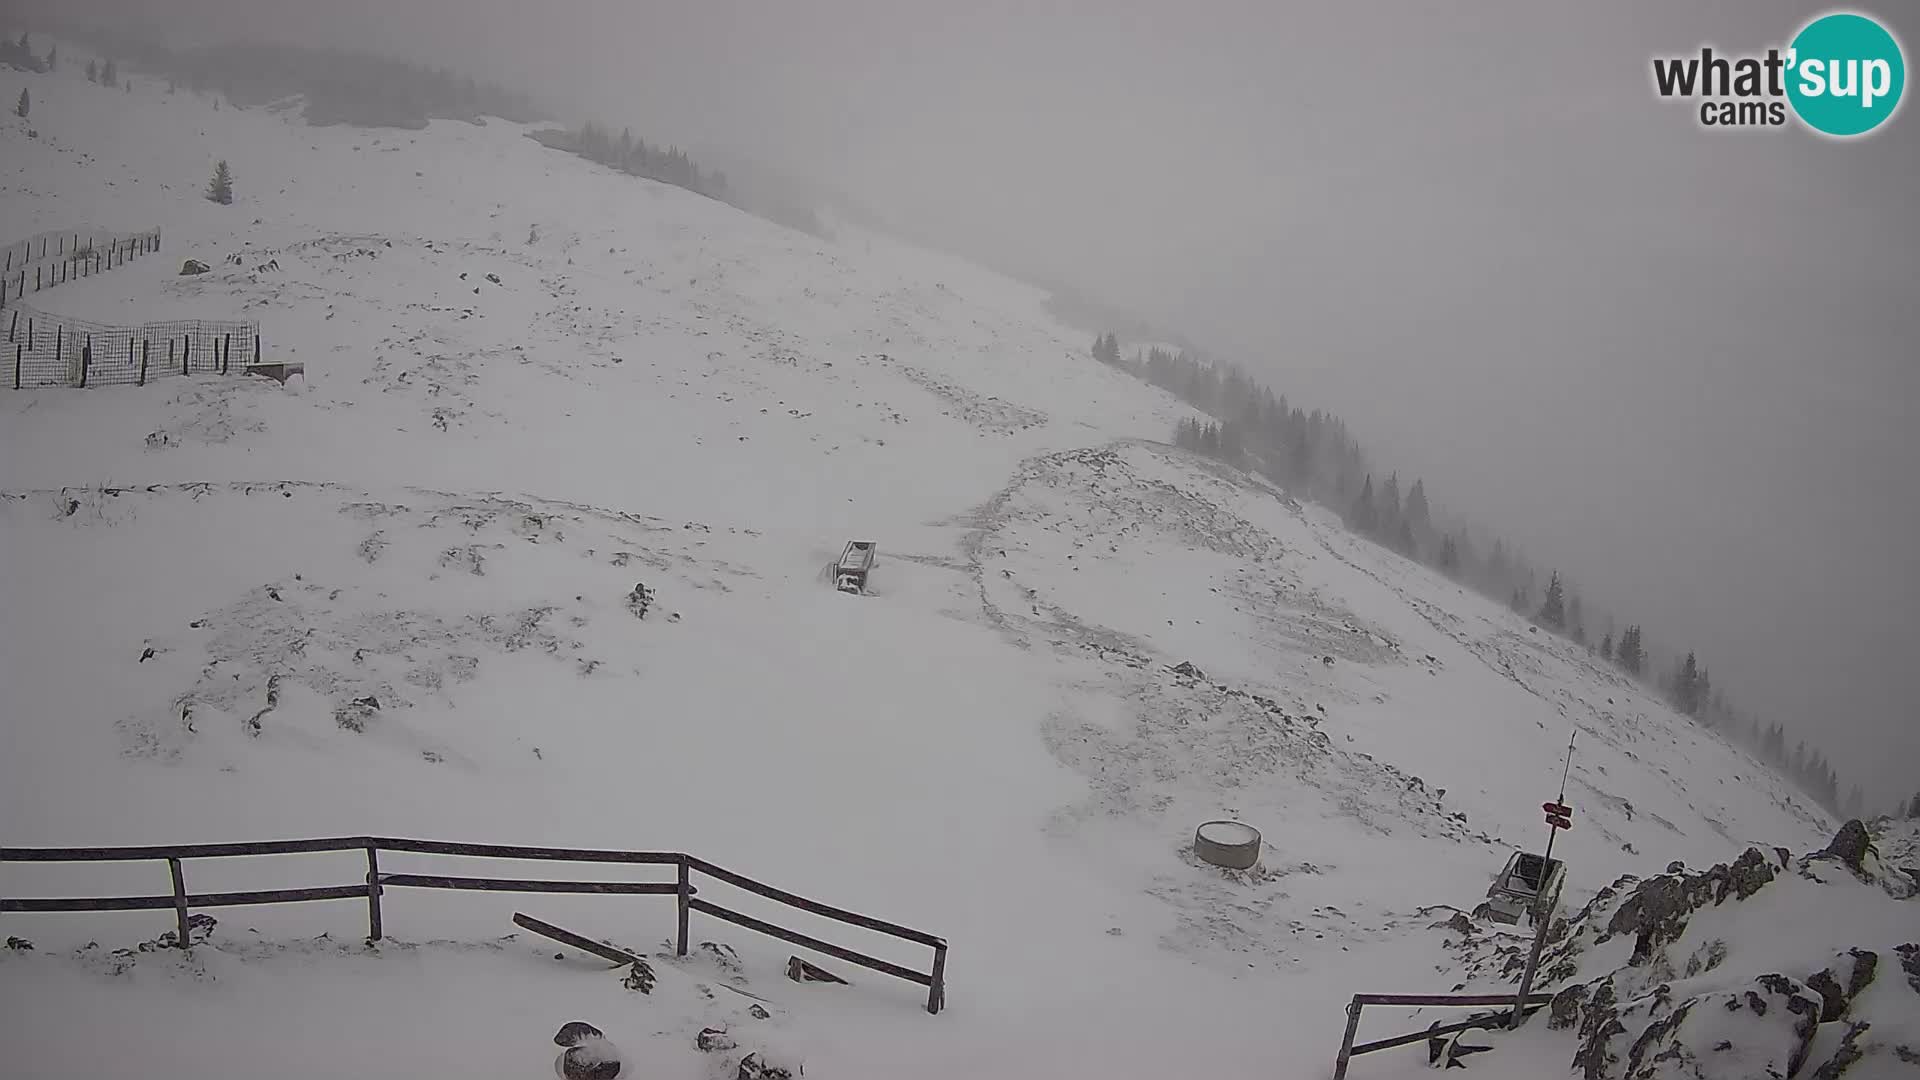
(44, 349)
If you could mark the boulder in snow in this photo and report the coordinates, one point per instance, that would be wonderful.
(761, 1065)
(588, 1054)
(194, 266)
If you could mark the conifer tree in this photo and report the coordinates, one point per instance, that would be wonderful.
(1630, 654)
(1418, 513)
(93, 72)
(1686, 687)
(1606, 646)
(1553, 610)
(1365, 515)
(24, 106)
(220, 190)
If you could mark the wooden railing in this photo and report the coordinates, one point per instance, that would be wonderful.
(1349, 1051)
(682, 888)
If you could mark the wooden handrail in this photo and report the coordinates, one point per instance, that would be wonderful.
(375, 882)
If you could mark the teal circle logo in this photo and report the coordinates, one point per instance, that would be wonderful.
(1846, 74)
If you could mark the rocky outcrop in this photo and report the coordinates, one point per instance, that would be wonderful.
(1852, 845)
(1686, 1001)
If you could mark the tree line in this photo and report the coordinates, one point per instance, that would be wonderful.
(1314, 454)
(636, 157)
(340, 86)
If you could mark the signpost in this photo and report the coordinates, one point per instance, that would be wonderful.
(1559, 816)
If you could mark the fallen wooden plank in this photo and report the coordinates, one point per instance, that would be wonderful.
(616, 957)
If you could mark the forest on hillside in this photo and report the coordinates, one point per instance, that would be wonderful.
(1314, 455)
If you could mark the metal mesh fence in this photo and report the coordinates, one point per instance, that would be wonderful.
(54, 350)
(55, 258)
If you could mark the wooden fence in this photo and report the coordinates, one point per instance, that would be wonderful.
(55, 258)
(682, 888)
(1349, 1051)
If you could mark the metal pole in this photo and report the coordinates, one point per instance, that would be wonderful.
(1346, 1044)
(1542, 907)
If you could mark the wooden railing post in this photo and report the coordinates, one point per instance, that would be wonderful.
(1346, 1043)
(685, 896)
(373, 893)
(179, 898)
(937, 992)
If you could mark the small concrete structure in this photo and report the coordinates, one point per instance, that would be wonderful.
(1229, 844)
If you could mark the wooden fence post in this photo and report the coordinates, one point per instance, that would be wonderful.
(59, 331)
(686, 895)
(373, 893)
(18, 348)
(179, 898)
(14, 325)
(86, 361)
(937, 991)
(146, 346)
(256, 349)
(170, 355)
(186, 353)
(1346, 1044)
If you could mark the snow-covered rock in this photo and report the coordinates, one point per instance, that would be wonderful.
(1768, 966)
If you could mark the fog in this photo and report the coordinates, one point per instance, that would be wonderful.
(1681, 366)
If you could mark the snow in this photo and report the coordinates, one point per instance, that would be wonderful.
(448, 512)
(1229, 833)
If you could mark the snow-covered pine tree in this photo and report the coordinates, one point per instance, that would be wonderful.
(220, 190)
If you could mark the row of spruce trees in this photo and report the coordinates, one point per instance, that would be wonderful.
(636, 157)
(1312, 453)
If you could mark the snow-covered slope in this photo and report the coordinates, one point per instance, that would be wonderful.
(532, 384)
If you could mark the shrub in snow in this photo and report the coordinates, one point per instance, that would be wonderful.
(639, 977)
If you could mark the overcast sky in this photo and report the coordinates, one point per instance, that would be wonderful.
(1683, 366)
